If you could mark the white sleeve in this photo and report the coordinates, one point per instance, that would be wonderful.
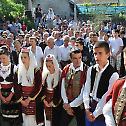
(41, 52)
(45, 51)
(15, 68)
(59, 54)
(86, 91)
(63, 92)
(102, 101)
(107, 111)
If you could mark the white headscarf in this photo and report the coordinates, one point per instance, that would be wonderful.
(47, 72)
(24, 74)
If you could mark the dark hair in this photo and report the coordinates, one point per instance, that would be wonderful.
(17, 40)
(117, 31)
(94, 34)
(122, 32)
(80, 41)
(4, 50)
(108, 35)
(104, 45)
(74, 51)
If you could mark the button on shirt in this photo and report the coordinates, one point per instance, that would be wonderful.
(86, 92)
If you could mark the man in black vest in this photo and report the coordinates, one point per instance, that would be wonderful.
(100, 78)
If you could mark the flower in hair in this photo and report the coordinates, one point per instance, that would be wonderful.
(25, 50)
(49, 58)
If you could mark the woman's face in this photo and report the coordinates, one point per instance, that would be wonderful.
(25, 58)
(50, 66)
(17, 45)
(4, 59)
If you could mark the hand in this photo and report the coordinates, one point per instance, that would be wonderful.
(66, 106)
(27, 101)
(23, 102)
(51, 104)
(8, 99)
(70, 111)
(3, 99)
(46, 103)
(90, 116)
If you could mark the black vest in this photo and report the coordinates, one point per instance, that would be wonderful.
(104, 80)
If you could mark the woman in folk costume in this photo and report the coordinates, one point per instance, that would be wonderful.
(115, 109)
(30, 81)
(10, 108)
(51, 87)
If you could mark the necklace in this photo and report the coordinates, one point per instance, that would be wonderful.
(4, 69)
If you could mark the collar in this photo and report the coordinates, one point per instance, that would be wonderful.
(97, 67)
(51, 48)
(5, 66)
(77, 69)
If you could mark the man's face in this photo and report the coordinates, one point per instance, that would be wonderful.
(115, 34)
(79, 46)
(50, 43)
(95, 39)
(101, 56)
(76, 59)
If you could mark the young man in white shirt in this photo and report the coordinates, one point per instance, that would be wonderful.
(116, 44)
(100, 78)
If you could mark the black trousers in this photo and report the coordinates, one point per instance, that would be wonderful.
(56, 112)
(79, 115)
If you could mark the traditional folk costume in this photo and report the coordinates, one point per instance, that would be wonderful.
(52, 91)
(72, 82)
(97, 86)
(30, 87)
(8, 83)
(115, 109)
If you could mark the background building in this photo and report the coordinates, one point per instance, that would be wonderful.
(60, 7)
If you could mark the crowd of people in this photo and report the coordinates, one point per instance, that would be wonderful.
(62, 70)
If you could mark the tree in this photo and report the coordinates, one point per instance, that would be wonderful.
(9, 8)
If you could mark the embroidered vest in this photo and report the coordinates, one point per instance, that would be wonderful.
(103, 82)
(74, 82)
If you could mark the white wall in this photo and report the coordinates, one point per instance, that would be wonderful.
(60, 7)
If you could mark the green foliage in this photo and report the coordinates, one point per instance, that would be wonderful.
(9, 8)
(119, 18)
(24, 2)
(28, 22)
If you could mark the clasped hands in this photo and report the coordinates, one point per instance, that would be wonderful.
(25, 102)
(90, 115)
(47, 104)
(68, 108)
(7, 99)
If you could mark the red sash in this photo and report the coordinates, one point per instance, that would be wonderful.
(31, 109)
